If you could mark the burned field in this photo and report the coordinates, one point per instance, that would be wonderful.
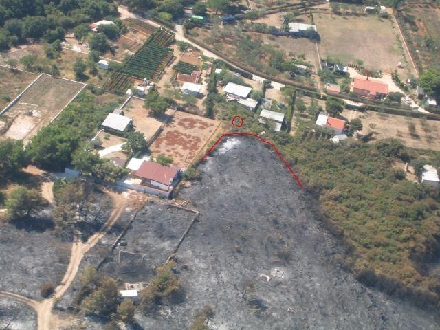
(29, 259)
(16, 315)
(260, 258)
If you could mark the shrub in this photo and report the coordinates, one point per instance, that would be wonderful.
(47, 289)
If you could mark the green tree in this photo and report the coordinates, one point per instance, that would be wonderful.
(164, 160)
(85, 161)
(430, 82)
(88, 276)
(93, 56)
(156, 103)
(34, 26)
(13, 158)
(136, 143)
(333, 107)
(14, 27)
(104, 300)
(111, 31)
(126, 311)
(29, 61)
(79, 67)
(218, 5)
(99, 42)
(12, 63)
(23, 203)
(81, 31)
(199, 9)
(356, 125)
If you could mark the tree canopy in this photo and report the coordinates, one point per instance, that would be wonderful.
(23, 203)
(430, 82)
(13, 158)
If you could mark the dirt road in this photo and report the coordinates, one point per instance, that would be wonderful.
(44, 308)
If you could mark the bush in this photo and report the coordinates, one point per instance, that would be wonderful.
(47, 289)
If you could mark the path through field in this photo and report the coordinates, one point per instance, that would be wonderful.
(44, 308)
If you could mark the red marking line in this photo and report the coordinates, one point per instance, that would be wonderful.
(262, 140)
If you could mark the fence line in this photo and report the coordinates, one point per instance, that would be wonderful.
(19, 95)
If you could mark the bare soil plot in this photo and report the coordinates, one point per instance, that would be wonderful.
(183, 137)
(426, 133)
(271, 19)
(143, 121)
(192, 57)
(367, 38)
(38, 105)
(274, 94)
(18, 52)
(12, 83)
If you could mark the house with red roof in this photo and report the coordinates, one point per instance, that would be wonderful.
(157, 176)
(369, 88)
(337, 125)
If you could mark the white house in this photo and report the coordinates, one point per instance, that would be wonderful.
(337, 125)
(116, 122)
(430, 176)
(249, 103)
(129, 294)
(103, 64)
(277, 117)
(189, 88)
(94, 26)
(237, 91)
(301, 27)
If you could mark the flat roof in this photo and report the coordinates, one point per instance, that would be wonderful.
(430, 173)
(189, 86)
(239, 90)
(116, 122)
(250, 103)
(322, 119)
(277, 116)
(135, 163)
(296, 27)
(128, 293)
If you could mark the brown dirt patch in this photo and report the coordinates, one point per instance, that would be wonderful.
(183, 138)
(427, 132)
(38, 105)
(12, 83)
(367, 38)
(192, 57)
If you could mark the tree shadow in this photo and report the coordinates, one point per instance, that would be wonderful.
(32, 224)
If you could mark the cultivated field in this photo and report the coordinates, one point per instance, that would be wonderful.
(367, 38)
(183, 137)
(38, 105)
(420, 24)
(426, 133)
(12, 83)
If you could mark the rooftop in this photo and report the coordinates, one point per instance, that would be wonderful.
(430, 174)
(333, 88)
(277, 116)
(156, 172)
(335, 123)
(249, 103)
(239, 90)
(297, 27)
(189, 86)
(128, 293)
(116, 122)
(374, 87)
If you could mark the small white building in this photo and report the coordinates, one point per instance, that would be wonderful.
(129, 294)
(237, 91)
(218, 71)
(190, 88)
(103, 64)
(116, 123)
(249, 103)
(277, 117)
(301, 27)
(94, 26)
(430, 176)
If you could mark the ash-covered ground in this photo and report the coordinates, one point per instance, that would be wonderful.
(16, 315)
(29, 258)
(261, 259)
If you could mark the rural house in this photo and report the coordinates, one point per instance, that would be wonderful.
(277, 117)
(430, 176)
(303, 30)
(237, 91)
(341, 70)
(249, 103)
(335, 124)
(369, 88)
(94, 26)
(129, 294)
(157, 176)
(194, 77)
(189, 88)
(117, 124)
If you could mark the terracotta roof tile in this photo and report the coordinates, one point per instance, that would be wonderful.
(156, 172)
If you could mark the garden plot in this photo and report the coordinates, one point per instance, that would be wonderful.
(184, 137)
(38, 105)
(413, 132)
(367, 38)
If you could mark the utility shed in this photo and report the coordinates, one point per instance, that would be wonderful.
(189, 88)
(117, 123)
(277, 117)
(234, 90)
(103, 64)
(430, 176)
(129, 294)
